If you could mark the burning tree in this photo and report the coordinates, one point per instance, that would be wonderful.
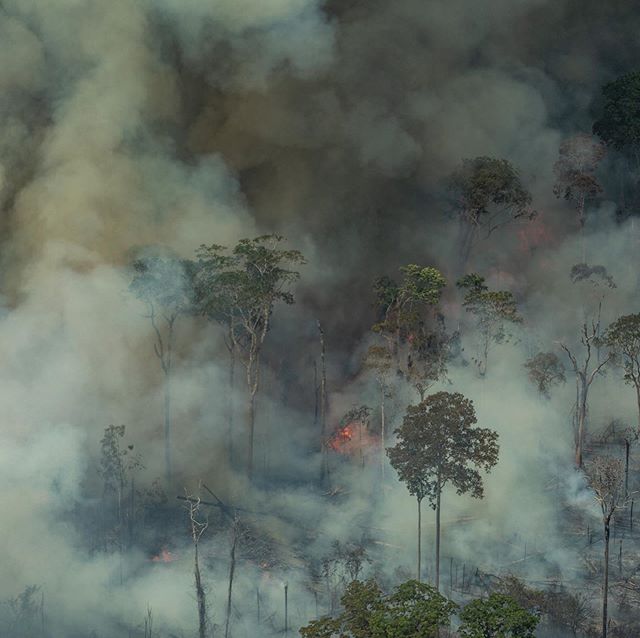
(352, 435)
(605, 476)
(438, 445)
(494, 310)
(486, 193)
(409, 316)
(164, 284)
(243, 288)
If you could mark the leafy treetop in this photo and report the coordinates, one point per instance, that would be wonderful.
(437, 444)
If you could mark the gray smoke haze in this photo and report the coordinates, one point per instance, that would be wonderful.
(131, 124)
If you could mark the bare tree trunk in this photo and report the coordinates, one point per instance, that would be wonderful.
(200, 596)
(251, 421)
(581, 221)
(605, 593)
(167, 426)
(419, 538)
(198, 528)
(286, 609)
(466, 236)
(627, 446)
(638, 403)
(232, 569)
(382, 433)
(230, 402)
(324, 472)
(437, 576)
(582, 416)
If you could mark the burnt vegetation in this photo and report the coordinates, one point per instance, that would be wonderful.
(240, 439)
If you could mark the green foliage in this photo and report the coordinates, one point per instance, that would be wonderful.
(494, 310)
(403, 304)
(437, 444)
(545, 370)
(498, 616)
(619, 124)
(487, 191)
(623, 339)
(409, 316)
(239, 289)
(413, 610)
(116, 462)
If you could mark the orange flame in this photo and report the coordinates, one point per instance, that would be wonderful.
(352, 439)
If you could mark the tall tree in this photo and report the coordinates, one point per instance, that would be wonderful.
(165, 285)
(495, 312)
(439, 445)
(578, 159)
(198, 526)
(245, 287)
(486, 193)
(605, 476)
(498, 616)
(410, 325)
(379, 361)
(623, 339)
(619, 124)
(215, 297)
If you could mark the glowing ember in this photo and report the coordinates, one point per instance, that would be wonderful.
(353, 439)
(341, 437)
(165, 556)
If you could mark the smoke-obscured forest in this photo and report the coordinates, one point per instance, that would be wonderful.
(318, 317)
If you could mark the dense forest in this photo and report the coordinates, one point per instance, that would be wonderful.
(319, 318)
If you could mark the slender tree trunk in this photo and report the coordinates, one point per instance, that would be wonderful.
(582, 416)
(200, 596)
(605, 593)
(382, 433)
(638, 403)
(230, 402)
(485, 355)
(232, 569)
(466, 236)
(167, 426)
(581, 221)
(324, 471)
(627, 446)
(437, 578)
(251, 419)
(419, 539)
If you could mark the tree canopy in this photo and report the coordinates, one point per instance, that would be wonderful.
(438, 445)
(498, 616)
(619, 123)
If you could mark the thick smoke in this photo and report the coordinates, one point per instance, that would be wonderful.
(129, 125)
